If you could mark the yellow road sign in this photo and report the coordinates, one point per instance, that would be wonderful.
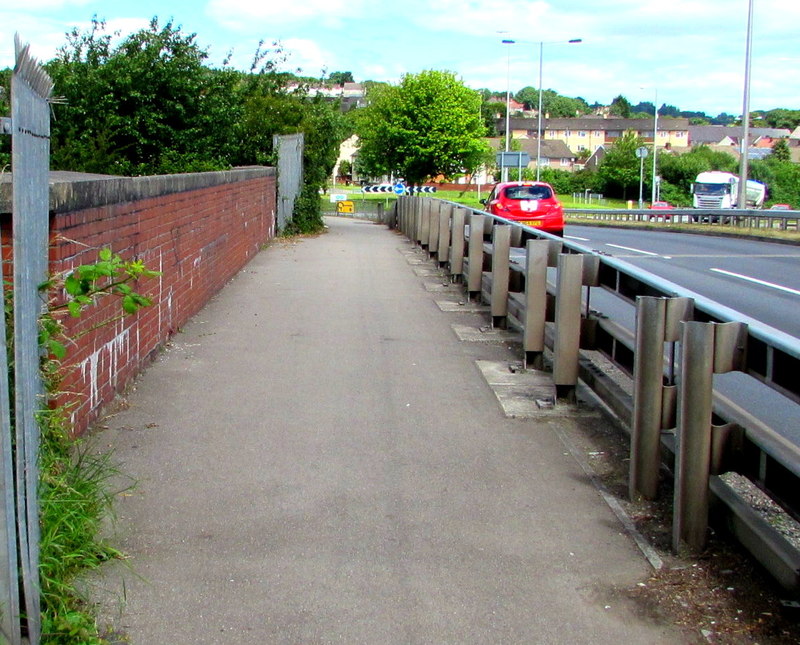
(345, 207)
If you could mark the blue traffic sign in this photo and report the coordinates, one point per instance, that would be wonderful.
(399, 188)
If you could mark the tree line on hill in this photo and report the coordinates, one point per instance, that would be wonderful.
(557, 106)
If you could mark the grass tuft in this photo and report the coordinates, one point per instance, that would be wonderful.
(75, 502)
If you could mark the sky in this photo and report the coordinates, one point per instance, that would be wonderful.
(687, 53)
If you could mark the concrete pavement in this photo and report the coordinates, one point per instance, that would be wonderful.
(319, 460)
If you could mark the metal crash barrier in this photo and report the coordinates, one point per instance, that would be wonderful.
(543, 285)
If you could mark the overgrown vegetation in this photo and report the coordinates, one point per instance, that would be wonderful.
(74, 481)
(5, 109)
(151, 105)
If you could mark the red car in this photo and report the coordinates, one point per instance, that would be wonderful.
(532, 203)
(661, 206)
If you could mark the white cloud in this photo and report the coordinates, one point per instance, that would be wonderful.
(44, 36)
(249, 15)
(308, 56)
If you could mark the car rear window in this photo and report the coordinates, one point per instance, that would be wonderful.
(528, 192)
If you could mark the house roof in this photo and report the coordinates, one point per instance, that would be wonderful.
(711, 134)
(599, 123)
(551, 149)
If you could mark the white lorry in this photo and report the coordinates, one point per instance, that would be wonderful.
(715, 189)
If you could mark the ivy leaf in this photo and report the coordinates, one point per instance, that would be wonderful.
(57, 349)
(73, 285)
(129, 305)
(74, 308)
(105, 254)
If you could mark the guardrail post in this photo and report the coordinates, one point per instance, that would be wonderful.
(567, 325)
(419, 208)
(457, 243)
(706, 348)
(648, 378)
(434, 206)
(406, 219)
(501, 271)
(516, 236)
(475, 254)
(400, 220)
(657, 322)
(426, 221)
(537, 252)
(445, 214)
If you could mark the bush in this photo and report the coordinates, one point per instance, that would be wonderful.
(307, 214)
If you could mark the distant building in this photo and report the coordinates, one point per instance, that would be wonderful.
(591, 132)
(514, 107)
(554, 154)
(731, 136)
(351, 95)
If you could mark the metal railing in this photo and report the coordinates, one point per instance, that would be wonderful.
(29, 127)
(783, 220)
(543, 285)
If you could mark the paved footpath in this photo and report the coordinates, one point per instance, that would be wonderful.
(320, 461)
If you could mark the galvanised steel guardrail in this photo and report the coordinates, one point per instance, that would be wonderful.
(681, 340)
(783, 220)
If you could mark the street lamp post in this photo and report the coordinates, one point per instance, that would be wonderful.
(539, 115)
(745, 144)
(504, 169)
(654, 196)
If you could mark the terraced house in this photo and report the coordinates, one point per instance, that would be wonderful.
(589, 133)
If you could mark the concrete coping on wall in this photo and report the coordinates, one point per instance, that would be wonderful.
(71, 191)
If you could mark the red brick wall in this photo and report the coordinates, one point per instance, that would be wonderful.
(199, 239)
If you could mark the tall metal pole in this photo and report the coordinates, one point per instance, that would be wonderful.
(743, 169)
(655, 149)
(504, 170)
(539, 125)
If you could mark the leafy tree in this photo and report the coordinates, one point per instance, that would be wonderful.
(781, 118)
(620, 106)
(780, 151)
(781, 176)
(529, 96)
(553, 103)
(681, 170)
(340, 78)
(619, 169)
(428, 125)
(723, 119)
(345, 168)
(146, 106)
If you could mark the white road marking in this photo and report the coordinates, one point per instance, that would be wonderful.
(757, 281)
(575, 237)
(629, 248)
